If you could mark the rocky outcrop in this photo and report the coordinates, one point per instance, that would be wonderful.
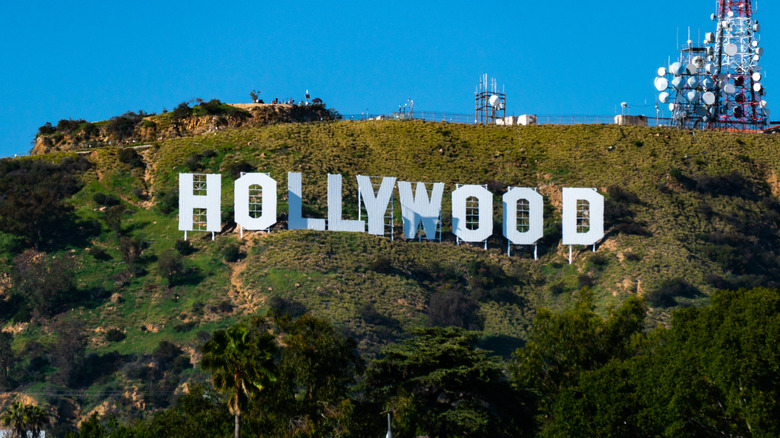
(161, 127)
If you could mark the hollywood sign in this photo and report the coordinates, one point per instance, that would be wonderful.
(472, 208)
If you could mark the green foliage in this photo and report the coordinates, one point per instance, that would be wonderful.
(123, 127)
(170, 265)
(241, 362)
(438, 383)
(130, 157)
(182, 111)
(24, 419)
(33, 204)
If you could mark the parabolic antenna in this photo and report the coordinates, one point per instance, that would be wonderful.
(678, 83)
(708, 98)
(663, 97)
(709, 37)
(661, 84)
(494, 101)
(754, 43)
(763, 104)
(757, 87)
(710, 68)
(662, 71)
(692, 96)
(708, 83)
(693, 82)
(729, 89)
(690, 69)
(759, 51)
(672, 106)
(756, 27)
(730, 49)
(756, 77)
(738, 112)
(676, 69)
(698, 61)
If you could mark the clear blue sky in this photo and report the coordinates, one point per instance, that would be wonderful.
(94, 60)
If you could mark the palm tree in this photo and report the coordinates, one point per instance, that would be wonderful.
(37, 417)
(241, 361)
(15, 416)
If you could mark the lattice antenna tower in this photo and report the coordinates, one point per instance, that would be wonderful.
(490, 104)
(717, 85)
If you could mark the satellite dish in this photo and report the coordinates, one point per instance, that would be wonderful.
(698, 61)
(708, 98)
(662, 71)
(710, 51)
(693, 82)
(738, 112)
(709, 37)
(712, 17)
(494, 101)
(690, 69)
(730, 49)
(756, 27)
(672, 106)
(676, 69)
(731, 14)
(757, 88)
(729, 89)
(710, 68)
(661, 84)
(692, 96)
(756, 58)
(708, 83)
(678, 83)
(763, 104)
(624, 104)
(663, 97)
(756, 77)
(754, 43)
(759, 51)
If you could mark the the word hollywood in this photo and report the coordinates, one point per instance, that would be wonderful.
(582, 209)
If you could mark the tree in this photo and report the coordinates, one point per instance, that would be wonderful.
(317, 372)
(7, 357)
(68, 352)
(42, 281)
(169, 265)
(15, 416)
(37, 418)
(24, 418)
(440, 384)
(241, 362)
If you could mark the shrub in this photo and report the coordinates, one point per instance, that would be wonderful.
(98, 253)
(193, 162)
(105, 200)
(130, 157)
(168, 202)
(123, 127)
(184, 247)
(235, 169)
(115, 335)
(47, 129)
(283, 306)
(231, 252)
(182, 111)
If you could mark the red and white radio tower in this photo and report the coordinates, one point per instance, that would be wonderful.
(717, 85)
(737, 53)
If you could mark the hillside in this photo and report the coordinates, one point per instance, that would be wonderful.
(686, 214)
